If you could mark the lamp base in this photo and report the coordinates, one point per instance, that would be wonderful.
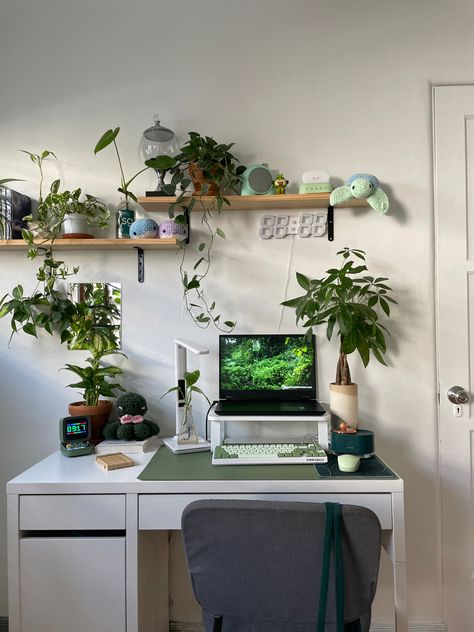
(183, 448)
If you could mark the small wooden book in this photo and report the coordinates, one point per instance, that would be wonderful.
(113, 461)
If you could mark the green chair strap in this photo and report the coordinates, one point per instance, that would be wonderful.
(332, 542)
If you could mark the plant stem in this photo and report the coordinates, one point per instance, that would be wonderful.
(343, 372)
(124, 184)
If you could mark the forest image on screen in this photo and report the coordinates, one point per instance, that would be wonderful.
(266, 363)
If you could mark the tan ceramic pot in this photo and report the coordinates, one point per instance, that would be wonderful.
(99, 416)
(343, 402)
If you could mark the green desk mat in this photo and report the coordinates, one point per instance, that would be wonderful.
(372, 467)
(196, 466)
(166, 466)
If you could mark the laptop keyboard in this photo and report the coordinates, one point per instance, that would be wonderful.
(268, 454)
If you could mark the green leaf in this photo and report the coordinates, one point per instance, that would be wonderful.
(229, 323)
(385, 306)
(220, 233)
(201, 247)
(106, 139)
(198, 262)
(191, 377)
(30, 329)
(303, 281)
(162, 163)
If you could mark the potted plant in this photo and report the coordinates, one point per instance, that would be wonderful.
(214, 171)
(187, 432)
(347, 303)
(63, 211)
(94, 384)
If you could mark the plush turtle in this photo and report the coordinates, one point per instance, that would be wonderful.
(131, 424)
(361, 185)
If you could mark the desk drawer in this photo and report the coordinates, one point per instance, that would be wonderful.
(164, 511)
(75, 511)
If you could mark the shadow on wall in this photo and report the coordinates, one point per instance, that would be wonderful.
(27, 438)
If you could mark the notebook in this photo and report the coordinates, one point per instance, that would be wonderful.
(267, 374)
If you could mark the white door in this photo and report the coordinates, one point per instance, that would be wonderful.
(454, 216)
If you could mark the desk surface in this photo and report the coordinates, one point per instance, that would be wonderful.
(58, 474)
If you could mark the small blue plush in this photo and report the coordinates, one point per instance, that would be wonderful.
(362, 185)
(144, 229)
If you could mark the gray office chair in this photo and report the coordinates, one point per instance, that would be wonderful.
(256, 565)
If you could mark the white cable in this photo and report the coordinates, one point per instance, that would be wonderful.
(287, 282)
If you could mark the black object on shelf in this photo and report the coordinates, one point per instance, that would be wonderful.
(14, 207)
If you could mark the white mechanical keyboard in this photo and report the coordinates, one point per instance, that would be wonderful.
(268, 454)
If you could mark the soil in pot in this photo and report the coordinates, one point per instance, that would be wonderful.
(99, 416)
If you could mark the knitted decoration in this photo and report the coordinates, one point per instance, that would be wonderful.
(362, 185)
(144, 229)
(172, 229)
(131, 425)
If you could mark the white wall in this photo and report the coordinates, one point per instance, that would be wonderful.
(304, 84)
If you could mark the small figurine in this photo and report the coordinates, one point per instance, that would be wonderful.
(131, 424)
(280, 184)
(344, 428)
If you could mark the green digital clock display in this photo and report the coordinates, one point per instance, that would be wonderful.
(73, 429)
(76, 430)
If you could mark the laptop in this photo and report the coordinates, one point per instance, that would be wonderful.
(267, 374)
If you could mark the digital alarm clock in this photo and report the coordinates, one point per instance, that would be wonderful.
(74, 433)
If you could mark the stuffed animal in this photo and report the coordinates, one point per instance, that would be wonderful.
(170, 228)
(131, 424)
(361, 185)
(280, 184)
(145, 228)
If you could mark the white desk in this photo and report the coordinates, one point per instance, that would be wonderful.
(88, 549)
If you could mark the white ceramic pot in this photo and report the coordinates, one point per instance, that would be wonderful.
(75, 223)
(343, 402)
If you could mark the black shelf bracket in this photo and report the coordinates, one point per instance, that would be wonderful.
(330, 222)
(141, 264)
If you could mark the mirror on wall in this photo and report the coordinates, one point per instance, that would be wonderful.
(100, 315)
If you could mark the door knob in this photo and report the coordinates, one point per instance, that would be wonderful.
(457, 395)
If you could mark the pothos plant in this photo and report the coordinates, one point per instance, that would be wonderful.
(220, 175)
(349, 304)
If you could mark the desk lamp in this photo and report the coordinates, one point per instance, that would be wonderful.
(181, 347)
(159, 141)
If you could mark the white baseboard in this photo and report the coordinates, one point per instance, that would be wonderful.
(412, 627)
(177, 626)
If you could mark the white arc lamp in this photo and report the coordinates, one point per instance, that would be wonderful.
(181, 347)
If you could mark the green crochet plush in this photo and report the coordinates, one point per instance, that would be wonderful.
(131, 424)
(362, 185)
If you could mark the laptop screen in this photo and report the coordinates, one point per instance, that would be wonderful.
(267, 366)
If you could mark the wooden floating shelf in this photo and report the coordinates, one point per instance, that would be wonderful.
(255, 202)
(96, 244)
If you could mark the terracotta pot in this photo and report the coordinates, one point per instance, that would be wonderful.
(343, 402)
(99, 416)
(197, 176)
